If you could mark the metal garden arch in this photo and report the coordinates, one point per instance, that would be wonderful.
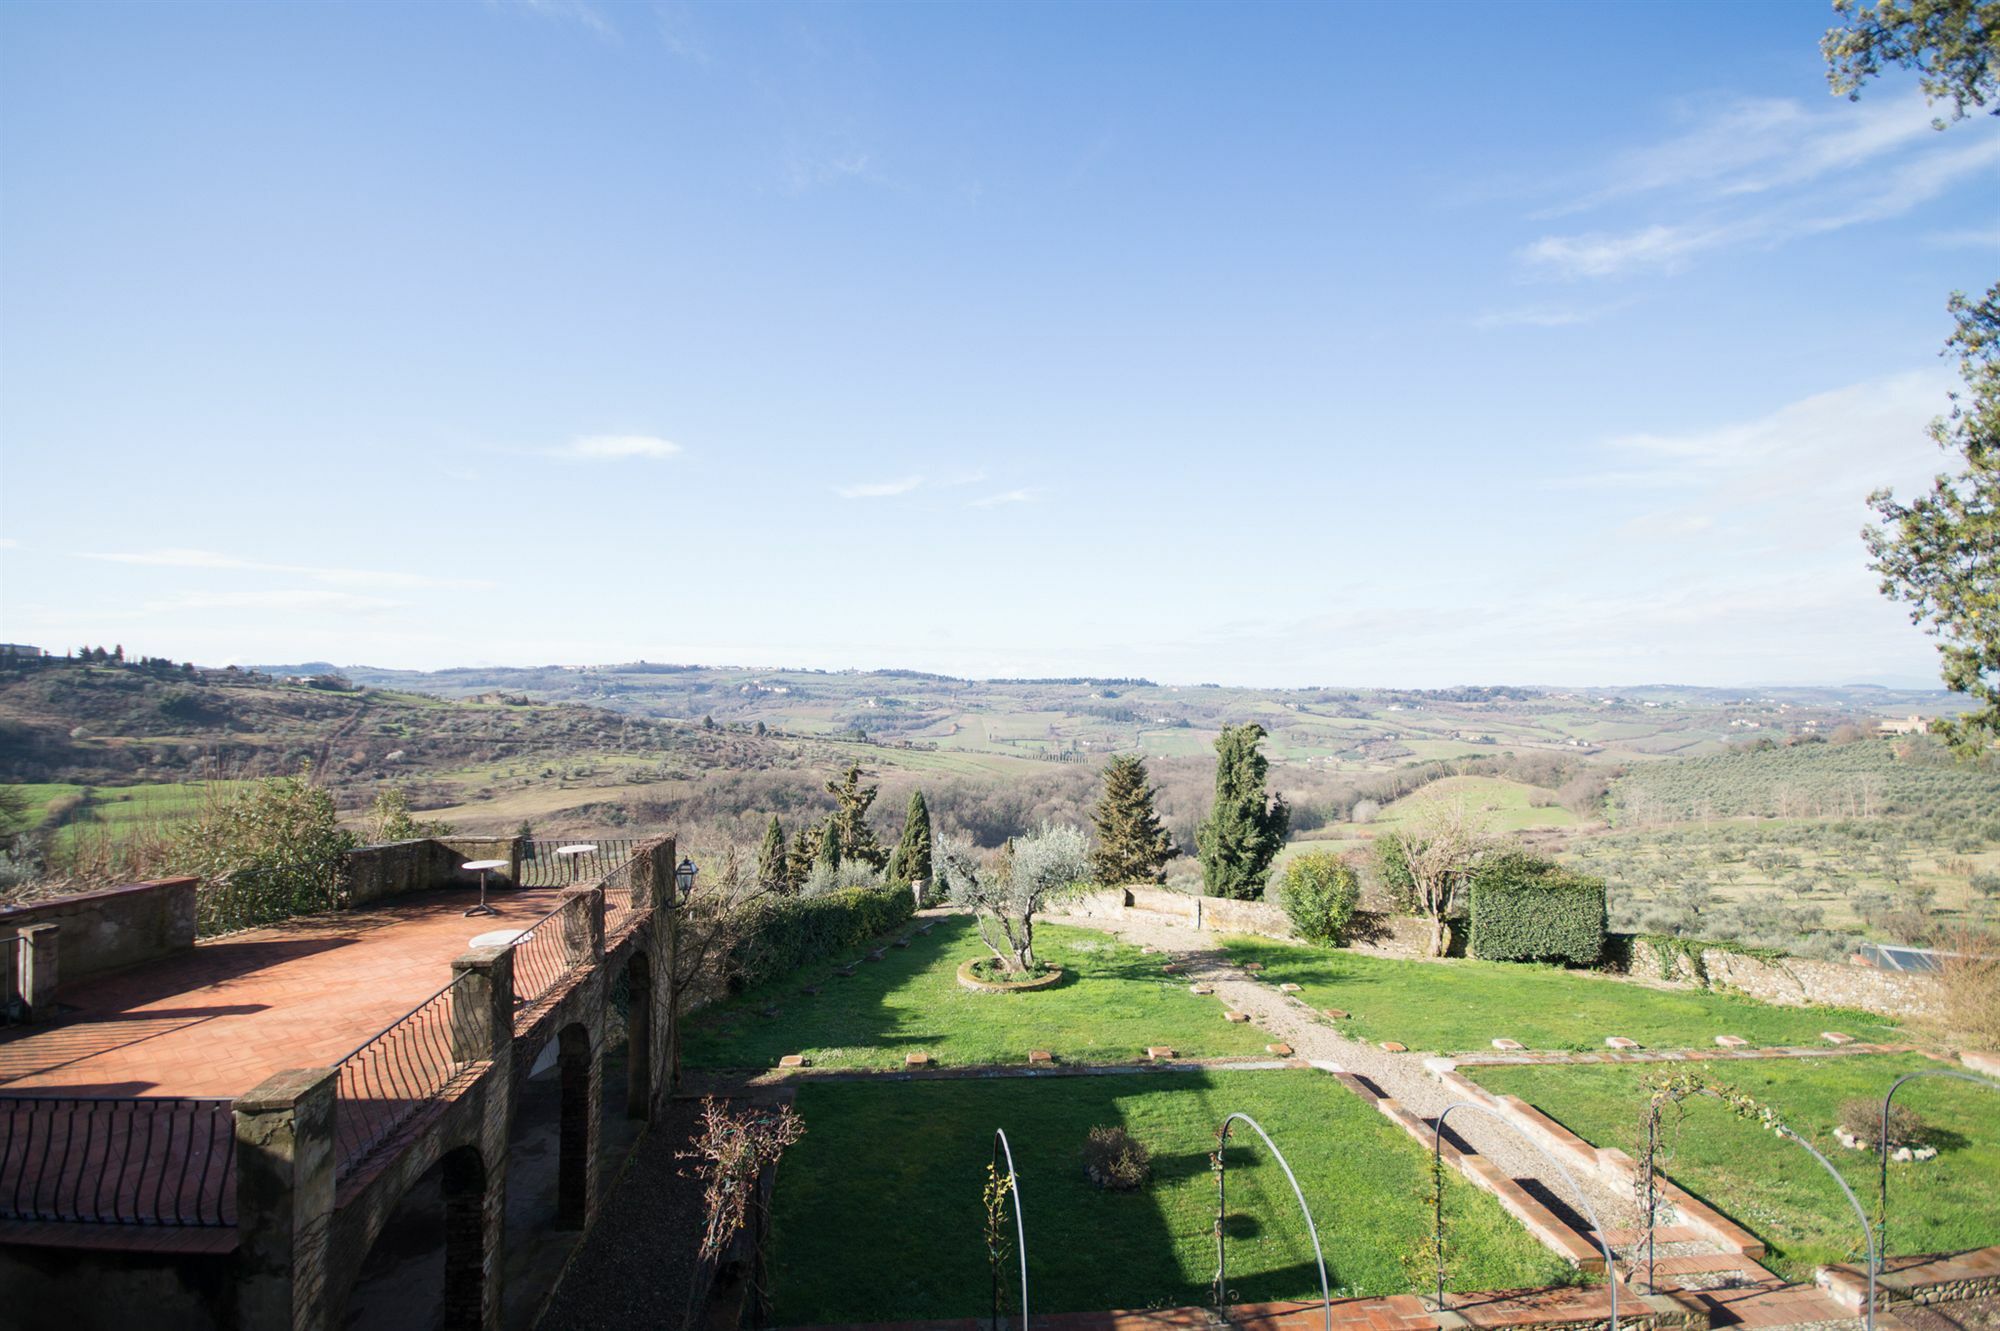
(1222, 1208)
(1882, 1186)
(1002, 1149)
(1437, 1165)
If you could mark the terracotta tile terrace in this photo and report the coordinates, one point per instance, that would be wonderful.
(218, 1020)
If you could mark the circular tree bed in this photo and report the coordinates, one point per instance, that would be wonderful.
(984, 974)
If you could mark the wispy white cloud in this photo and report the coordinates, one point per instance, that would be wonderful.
(1761, 172)
(584, 15)
(1972, 238)
(615, 448)
(1004, 497)
(350, 577)
(878, 489)
(1541, 316)
(318, 600)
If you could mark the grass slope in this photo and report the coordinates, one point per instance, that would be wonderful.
(1461, 1005)
(1113, 1003)
(878, 1215)
(1771, 1186)
(1506, 804)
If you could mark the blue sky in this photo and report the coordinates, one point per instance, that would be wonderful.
(1257, 344)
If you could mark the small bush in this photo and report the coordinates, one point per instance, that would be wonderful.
(1114, 1159)
(1319, 893)
(1862, 1117)
(1526, 908)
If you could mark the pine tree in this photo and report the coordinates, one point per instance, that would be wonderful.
(1131, 844)
(829, 846)
(911, 860)
(850, 819)
(1245, 830)
(771, 858)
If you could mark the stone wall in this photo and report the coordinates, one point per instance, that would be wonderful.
(1372, 932)
(376, 873)
(115, 928)
(1799, 982)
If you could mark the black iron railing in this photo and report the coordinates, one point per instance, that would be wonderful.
(90, 1160)
(624, 896)
(391, 1076)
(550, 948)
(543, 866)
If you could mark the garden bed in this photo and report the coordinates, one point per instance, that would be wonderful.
(879, 1218)
(979, 974)
(1462, 1005)
(1772, 1187)
(1112, 1003)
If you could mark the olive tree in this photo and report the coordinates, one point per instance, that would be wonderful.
(1030, 877)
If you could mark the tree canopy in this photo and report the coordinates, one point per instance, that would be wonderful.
(1131, 844)
(1953, 45)
(1245, 830)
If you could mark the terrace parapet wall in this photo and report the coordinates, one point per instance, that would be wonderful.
(114, 928)
(393, 868)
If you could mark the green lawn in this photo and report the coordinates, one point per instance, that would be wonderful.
(1462, 1005)
(1111, 1005)
(1507, 805)
(1771, 1186)
(878, 1216)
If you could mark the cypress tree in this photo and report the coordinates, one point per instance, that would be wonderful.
(911, 859)
(771, 858)
(800, 856)
(850, 819)
(1245, 830)
(1131, 844)
(829, 846)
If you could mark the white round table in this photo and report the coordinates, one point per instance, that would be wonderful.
(482, 867)
(570, 853)
(500, 938)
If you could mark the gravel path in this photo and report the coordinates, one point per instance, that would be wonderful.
(1400, 1076)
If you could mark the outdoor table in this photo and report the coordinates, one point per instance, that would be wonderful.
(570, 853)
(483, 866)
(500, 938)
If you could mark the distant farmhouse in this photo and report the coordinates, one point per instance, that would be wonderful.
(1909, 725)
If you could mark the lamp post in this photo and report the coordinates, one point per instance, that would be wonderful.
(684, 878)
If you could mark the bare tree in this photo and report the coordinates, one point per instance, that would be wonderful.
(1029, 877)
(1440, 841)
(705, 926)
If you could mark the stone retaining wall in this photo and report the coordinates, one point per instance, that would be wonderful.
(1799, 982)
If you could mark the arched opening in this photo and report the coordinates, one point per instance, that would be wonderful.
(638, 989)
(579, 1073)
(432, 1262)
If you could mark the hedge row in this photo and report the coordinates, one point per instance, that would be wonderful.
(781, 934)
(1525, 908)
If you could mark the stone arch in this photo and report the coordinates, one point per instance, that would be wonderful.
(472, 1217)
(581, 1081)
(639, 1035)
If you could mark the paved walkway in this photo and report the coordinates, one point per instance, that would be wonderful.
(220, 1019)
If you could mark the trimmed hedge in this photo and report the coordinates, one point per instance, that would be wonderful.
(781, 934)
(1525, 908)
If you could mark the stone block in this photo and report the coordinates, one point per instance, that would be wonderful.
(810, 991)
(1201, 989)
(1159, 1051)
(1237, 1018)
(1040, 1056)
(1619, 1042)
(1281, 1049)
(900, 942)
(1393, 1047)
(1338, 1014)
(1507, 1045)
(794, 1061)
(1836, 1037)
(1253, 966)
(846, 970)
(1171, 968)
(1289, 988)
(876, 954)
(916, 1060)
(1731, 1041)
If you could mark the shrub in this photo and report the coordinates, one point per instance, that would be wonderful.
(1114, 1159)
(1526, 908)
(265, 853)
(1319, 893)
(1862, 1117)
(845, 876)
(777, 935)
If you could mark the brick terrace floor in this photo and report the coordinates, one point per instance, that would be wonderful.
(222, 1018)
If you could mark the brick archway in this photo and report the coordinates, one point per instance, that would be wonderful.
(472, 1217)
(639, 1035)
